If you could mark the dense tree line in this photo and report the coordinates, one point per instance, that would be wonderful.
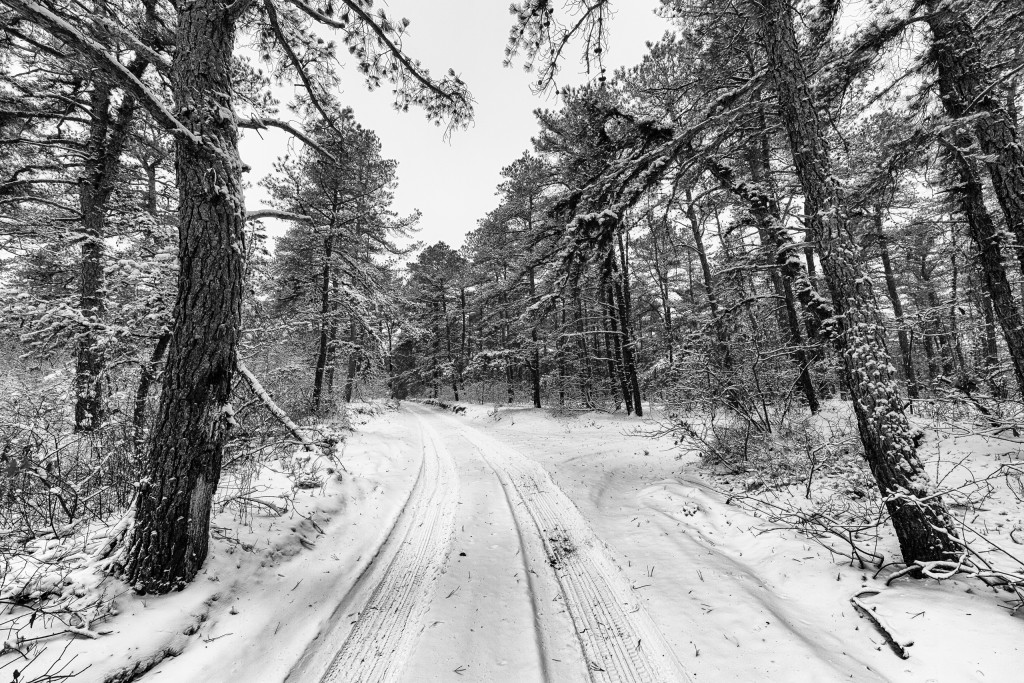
(777, 207)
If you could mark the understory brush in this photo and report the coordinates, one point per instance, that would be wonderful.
(67, 504)
(807, 473)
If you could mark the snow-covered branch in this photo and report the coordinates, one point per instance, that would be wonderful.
(276, 411)
(61, 29)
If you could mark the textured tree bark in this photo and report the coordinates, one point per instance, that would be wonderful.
(765, 209)
(967, 87)
(170, 538)
(919, 515)
(897, 307)
(988, 240)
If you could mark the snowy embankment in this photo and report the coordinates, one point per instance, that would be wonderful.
(266, 590)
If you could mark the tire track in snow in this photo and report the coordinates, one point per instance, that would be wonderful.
(620, 642)
(403, 577)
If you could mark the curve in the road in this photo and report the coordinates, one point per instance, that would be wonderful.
(620, 642)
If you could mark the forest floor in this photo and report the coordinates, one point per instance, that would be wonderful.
(522, 545)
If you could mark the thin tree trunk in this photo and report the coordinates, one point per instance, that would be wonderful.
(723, 352)
(265, 398)
(759, 160)
(612, 340)
(107, 137)
(897, 307)
(954, 317)
(988, 240)
(560, 351)
(353, 359)
(990, 346)
(170, 538)
(535, 353)
(584, 352)
(325, 323)
(923, 524)
(620, 284)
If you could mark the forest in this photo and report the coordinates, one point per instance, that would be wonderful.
(776, 268)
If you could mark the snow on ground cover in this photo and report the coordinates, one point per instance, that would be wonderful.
(265, 591)
(739, 604)
(489, 544)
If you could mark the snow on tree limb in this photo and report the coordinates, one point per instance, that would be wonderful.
(448, 97)
(61, 29)
(276, 411)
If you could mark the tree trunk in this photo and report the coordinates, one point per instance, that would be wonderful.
(587, 390)
(535, 353)
(560, 352)
(90, 362)
(612, 339)
(906, 354)
(988, 240)
(922, 522)
(620, 284)
(353, 360)
(759, 160)
(990, 346)
(723, 353)
(107, 137)
(325, 324)
(170, 538)
(968, 88)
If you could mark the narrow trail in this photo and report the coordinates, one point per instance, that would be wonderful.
(395, 593)
(620, 643)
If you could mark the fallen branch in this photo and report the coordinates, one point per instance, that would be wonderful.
(879, 623)
(282, 417)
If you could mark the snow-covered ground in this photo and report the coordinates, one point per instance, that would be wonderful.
(516, 545)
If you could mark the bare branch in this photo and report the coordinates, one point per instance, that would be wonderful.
(256, 123)
(274, 213)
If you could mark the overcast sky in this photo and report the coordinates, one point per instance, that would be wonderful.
(452, 182)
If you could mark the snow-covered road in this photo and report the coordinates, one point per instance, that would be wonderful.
(517, 545)
(514, 585)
